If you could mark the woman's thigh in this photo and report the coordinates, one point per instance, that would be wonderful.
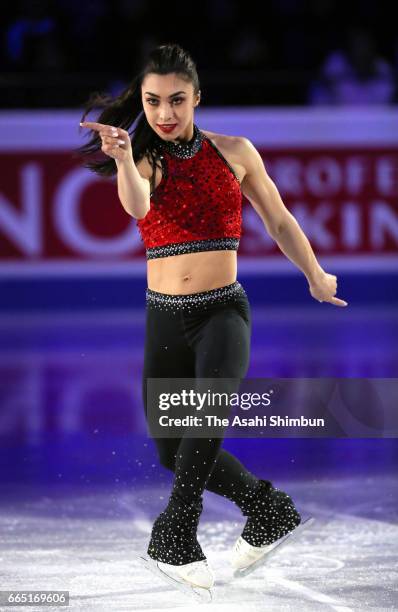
(166, 355)
(166, 351)
(222, 348)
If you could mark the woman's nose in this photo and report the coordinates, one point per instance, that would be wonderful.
(165, 115)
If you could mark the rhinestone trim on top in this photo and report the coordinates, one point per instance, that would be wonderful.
(194, 246)
(185, 150)
(169, 302)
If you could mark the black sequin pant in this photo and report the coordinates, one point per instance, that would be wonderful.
(200, 335)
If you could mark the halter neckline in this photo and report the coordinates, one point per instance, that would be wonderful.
(184, 150)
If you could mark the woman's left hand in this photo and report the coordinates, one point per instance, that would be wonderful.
(324, 289)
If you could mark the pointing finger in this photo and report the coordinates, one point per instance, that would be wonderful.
(338, 302)
(94, 125)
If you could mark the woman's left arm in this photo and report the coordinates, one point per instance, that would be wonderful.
(262, 193)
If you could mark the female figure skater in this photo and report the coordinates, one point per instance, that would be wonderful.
(184, 186)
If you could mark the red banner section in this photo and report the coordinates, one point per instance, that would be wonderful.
(344, 200)
(52, 208)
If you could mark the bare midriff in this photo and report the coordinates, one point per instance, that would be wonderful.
(192, 272)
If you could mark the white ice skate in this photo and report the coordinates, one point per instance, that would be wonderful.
(195, 579)
(246, 558)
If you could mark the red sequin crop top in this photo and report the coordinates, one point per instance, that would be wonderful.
(197, 205)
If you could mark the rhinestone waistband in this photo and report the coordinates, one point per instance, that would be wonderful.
(194, 246)
(165, 301)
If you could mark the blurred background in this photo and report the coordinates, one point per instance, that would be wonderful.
(283, 52)
(313, 85)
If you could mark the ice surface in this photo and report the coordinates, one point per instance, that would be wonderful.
(88, 542)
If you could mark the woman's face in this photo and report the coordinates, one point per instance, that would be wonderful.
(169, 100)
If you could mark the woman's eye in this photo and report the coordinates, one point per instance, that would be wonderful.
(150, 100)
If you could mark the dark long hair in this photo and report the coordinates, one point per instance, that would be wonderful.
(124, 110)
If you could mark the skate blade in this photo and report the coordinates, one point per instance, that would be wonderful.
(239, 573)
(199, 593)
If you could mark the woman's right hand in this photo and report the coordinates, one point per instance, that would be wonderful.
(115, 141)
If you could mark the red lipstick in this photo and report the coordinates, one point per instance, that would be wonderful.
(167, 128)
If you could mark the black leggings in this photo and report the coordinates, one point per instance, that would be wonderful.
(200, 335)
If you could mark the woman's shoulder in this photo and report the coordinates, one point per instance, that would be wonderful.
(233, 148)
(224, 141)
